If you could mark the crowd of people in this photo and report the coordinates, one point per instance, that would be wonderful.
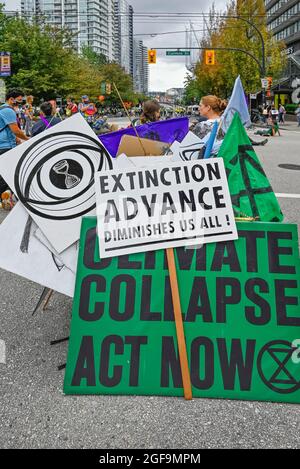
(20, 120)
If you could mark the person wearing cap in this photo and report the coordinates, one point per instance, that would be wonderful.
(87, 108)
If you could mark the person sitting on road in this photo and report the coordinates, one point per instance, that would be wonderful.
(150, 113)
(270, 132)
(47, 119)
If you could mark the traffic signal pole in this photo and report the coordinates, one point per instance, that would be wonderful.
(234, 49)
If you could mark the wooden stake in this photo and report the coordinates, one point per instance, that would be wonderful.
(128, 115)
(185, 372)
(184, 365)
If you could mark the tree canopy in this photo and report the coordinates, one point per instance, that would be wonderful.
(45, 65)
(226, 30)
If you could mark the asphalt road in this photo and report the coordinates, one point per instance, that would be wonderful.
(34, 413)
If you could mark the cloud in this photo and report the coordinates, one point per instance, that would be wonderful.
(171, 72)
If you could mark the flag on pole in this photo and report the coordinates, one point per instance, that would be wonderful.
(237, 103)
(251, 193)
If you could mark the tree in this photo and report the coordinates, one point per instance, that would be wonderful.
(227, 31)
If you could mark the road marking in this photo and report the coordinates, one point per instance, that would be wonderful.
(289, 196)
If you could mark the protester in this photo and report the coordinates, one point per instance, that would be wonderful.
(281, 113)
(28, 115)
(272, 130)
(10, 133)
(212, 108)
(87, 109)
(297, 112)
(47, 119)
(71, 107)
(273, 115)
(151, 112)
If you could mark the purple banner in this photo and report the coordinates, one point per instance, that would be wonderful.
(164, 131)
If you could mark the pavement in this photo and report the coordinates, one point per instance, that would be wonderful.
(34, 413)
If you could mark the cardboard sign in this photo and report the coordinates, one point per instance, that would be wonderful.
(161, 131)
(53, 176)
(181, 204)
(132, 146)
(240, 304)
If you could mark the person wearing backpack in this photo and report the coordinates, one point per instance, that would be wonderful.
(10, 133)
(47, 119)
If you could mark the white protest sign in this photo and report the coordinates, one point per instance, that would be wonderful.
(23, 254)
(53, 177)
(182, 204)
(189, 149)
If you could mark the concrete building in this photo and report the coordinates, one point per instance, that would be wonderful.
(283, 20)
(123, 31)
(91, 20)
(140, 67)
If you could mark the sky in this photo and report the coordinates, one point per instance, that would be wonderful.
(169, 72)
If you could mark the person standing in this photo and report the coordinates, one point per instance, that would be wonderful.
(297, 112)
(87, 109)
(47, 119)
(10, 133)
(281, 113)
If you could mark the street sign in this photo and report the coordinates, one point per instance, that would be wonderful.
(264, 83)
(252, 96)
(178, 52)
(5, 64)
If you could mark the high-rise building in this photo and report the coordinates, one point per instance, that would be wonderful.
(124, 35)
(283, 20)
(90, 20)
(140, 67)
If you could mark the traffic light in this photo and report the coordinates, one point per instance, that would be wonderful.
(210, 57)
(108, 88)
(152, 56)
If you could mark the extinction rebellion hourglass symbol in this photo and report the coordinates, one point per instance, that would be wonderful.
(62, 167)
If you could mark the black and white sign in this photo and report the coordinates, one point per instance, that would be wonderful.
(181, 204)
(53, 177)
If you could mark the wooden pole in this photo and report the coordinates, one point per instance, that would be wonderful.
(128, 115)
(185, 372)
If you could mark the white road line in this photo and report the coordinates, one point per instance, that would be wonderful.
(289, 196)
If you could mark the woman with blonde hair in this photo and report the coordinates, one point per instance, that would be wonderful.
(212, 108)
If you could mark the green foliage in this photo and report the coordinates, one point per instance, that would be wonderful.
(235, 33)
(45, 65)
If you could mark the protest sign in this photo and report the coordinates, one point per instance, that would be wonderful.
(23, 253)
(53, 176)
(240, 305)
(153, 208)
(162, 131)
(134, 146)
(251, 192)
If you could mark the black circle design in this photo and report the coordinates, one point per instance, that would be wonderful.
(292, 384)
(44, 195)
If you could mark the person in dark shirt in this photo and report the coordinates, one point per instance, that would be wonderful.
(46, 120)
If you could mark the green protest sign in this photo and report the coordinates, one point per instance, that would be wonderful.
(240, 304)
(250, 189)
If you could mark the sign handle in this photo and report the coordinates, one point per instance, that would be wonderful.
(127, 113)
(185, 372)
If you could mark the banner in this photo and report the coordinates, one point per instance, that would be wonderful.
(163, 131)
(250, 189)
(240, 304)
(5, 64)
(181, 204)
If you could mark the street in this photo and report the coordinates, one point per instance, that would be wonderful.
(35, 413)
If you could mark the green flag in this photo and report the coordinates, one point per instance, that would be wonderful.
(250, 189)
